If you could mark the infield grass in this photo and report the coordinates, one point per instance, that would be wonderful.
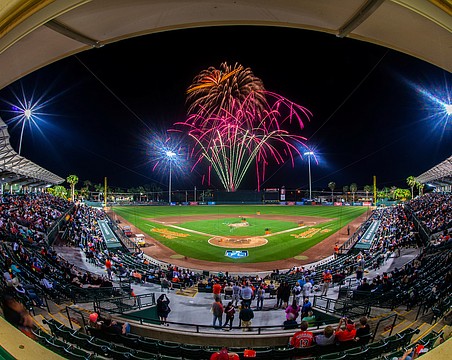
(190, 238)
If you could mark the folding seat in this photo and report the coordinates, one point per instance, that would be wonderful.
(169, 349)
(283, 353)
(356, 353)
(141, 355)
(192, 352)
(375, 349)
(149, 345)
(333, 356)
(74, 353)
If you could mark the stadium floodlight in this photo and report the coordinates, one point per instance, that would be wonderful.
(309, 154)
(170, 155)
(27, 113)
(448, 108)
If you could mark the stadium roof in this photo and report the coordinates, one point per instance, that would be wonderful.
(36, 33)
(15, 169)
(439, 175)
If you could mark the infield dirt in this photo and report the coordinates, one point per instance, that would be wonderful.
(318, 252)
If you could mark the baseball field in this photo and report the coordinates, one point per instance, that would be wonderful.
(239, 234)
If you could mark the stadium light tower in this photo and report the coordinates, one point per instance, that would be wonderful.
(309, 154)
(170, 155)
(26, 116)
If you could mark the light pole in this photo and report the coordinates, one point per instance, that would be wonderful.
(25, 117)
(309, 154)
(170, 154)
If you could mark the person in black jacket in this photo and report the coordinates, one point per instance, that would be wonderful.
(245, 316)
(163, 309)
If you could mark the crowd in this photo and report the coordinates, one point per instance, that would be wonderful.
(29, 217)
(347, 333)
(434, 210)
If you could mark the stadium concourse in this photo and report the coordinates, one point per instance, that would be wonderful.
(198, 306)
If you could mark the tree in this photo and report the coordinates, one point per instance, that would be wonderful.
(58, 191)
(367, 189)
(345, 191)
(420, 187)
(72, 180)
(84, 192)
(411, 182)
(332, 186)
(99, 188)
(401, 194)
(353, 189)
(88, 184)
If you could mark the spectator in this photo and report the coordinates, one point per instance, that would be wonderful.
(310, 318)
(327, 337)
(236, 293)
(347, 334)
(246, 294)
(297, 292)
(246, 315)
(108, 266)
(306, 308)
(114, 327)
(292, 311)
(362, 336)
(307, 288)
(260, 295)
(279, 300)
(302, 338)
(327, 278)
(224, 354)
(16, 314)
(229, 311)
(285, 295)
(93, 321)
(216, 290)
(217, 312)
(163, 309)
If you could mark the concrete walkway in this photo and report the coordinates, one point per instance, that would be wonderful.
(196, 310)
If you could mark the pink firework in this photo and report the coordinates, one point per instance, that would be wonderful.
(235, 122)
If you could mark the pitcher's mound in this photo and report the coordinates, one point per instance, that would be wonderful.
(238, 242)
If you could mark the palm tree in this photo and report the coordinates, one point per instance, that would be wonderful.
(411, 182)
(99, 188)
(367, 189)
(72, 180)
(332, 186)
(345, 191)
(420, 187)
(353, 189)
(84, 192)
(88, 184)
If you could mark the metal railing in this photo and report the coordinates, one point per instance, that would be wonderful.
(395, 315)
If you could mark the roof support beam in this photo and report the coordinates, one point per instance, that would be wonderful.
(360, 16)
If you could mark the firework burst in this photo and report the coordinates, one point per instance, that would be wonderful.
(234, 122)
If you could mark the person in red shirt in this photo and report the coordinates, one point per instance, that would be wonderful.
(224, 354)
(302, 338)
(327, 278)
(345, 335)
(108, 266)
(216, 290)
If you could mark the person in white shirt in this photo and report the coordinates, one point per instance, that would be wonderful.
(307, 288)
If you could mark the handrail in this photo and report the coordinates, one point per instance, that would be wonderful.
(382, 319)
(78, 312)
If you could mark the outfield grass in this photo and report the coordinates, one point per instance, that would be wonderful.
(194, 245)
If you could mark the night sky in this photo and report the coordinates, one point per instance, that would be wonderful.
(105, 105)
